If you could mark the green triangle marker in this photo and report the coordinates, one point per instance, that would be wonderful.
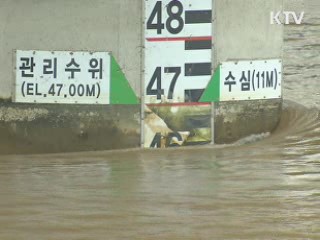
(212, 92)
(120, 89)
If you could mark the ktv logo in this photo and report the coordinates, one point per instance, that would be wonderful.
(286, 17)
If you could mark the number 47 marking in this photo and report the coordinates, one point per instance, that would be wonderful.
(156, 78)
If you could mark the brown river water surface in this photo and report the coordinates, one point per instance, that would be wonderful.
(262, 187)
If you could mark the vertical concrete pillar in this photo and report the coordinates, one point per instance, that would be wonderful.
(74, 25)
(242, 31)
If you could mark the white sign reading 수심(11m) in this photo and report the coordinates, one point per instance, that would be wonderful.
(246, 80)
(62, 77)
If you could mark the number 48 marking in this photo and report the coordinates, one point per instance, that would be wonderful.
(156, 78)
(173, 16)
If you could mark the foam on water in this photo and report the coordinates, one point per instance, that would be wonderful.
(263, 187)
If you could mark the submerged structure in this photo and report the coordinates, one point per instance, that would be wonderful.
(170, 73)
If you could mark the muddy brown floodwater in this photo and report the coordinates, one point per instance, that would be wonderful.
(262, 187)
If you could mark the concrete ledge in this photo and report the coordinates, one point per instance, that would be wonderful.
(235, 120)
(50, 128)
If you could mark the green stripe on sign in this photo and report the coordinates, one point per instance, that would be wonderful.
(212, 92)
(120, 89)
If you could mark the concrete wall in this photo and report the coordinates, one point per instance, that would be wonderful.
(105, 25)
(47, 128)
(297, 5)
(93, 25)
(242, 31)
